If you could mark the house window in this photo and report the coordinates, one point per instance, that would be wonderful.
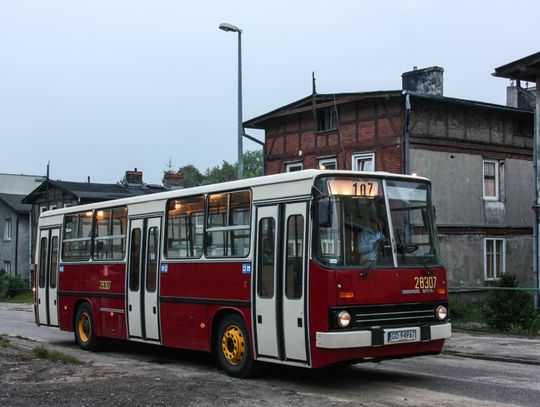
(8, 229)
(494, 258)
(296, 166)
(7, 267)
(42, 208)
(328, 163)
(327, 119)
(363, 162)
(491, 180)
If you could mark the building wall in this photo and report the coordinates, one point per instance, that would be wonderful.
(373, 125)
(464, 218)
(457, 183)
(17, 250)
(7, 247)
(464, 259)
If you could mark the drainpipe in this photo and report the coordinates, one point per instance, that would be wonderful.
(536, 280)
(406, 133)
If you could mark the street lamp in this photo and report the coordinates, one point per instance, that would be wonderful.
(232, 28)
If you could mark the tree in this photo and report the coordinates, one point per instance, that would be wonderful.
(253, 163)
(192, 176)
(227, 172)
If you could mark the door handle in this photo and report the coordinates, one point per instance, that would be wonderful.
(54, 302)
(130, 307)
(154, 309)
(259, 319)
(299, 322)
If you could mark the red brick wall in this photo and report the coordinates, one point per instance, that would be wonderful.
(373, 125)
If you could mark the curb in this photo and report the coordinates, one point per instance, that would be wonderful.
(493, 358)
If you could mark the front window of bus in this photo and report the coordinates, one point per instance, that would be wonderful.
(412, 222)
(353, 227)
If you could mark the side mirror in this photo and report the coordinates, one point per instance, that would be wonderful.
(324, 212)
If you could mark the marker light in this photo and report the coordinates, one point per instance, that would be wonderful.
(344, 319)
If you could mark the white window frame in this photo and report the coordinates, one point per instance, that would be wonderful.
(327, 160)
(7, 267)
(42, 208)
(497, 177)
(362, 157)
(294, 166)
(8, 229)
(496, 273)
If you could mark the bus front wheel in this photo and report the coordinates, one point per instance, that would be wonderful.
(233, 347)
(85, 329)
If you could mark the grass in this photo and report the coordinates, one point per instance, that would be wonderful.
(41, 352)
(4, 341)
(24, 298)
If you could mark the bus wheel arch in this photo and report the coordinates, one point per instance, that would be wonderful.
(231, 343)
(84, 327)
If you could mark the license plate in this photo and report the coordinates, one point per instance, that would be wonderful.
(402, 335)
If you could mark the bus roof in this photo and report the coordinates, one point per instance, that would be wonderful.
(230, 185)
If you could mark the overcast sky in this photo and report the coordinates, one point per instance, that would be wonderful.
(98, 87)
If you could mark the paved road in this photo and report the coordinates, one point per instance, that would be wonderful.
(445, 380)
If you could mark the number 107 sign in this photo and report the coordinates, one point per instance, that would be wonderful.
(354, 187)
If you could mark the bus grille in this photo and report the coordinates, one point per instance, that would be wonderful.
(388, 315)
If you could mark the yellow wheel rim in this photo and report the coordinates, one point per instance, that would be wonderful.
(233, 345)
(84, 327)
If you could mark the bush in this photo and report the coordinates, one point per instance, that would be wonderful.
(509, 310)
(11, 286)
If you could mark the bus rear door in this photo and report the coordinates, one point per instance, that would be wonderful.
(280, 282)
(47, 278)
(143, 279)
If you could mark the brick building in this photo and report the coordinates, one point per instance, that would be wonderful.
(478, 156)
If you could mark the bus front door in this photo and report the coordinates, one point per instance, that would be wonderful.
(280, 282)
(143, 279)
(47, 278)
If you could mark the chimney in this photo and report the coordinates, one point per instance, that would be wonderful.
(426, 80)
(521, 98)
(173, 180)
(134, 177)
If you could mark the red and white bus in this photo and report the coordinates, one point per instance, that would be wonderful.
(309, 268)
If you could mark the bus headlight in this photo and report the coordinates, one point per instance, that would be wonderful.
(344, 319)
(441, 312)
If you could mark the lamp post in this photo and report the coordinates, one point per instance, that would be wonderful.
(232, 28)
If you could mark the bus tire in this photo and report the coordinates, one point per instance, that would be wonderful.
(233, 347)
(85, 329)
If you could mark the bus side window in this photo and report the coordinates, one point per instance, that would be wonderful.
(135, 259)
(267, 255)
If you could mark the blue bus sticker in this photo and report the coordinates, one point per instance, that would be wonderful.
(246, 268)
(164, 268)
(61, 269)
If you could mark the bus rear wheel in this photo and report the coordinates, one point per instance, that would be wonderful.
(233, 348)
(85, 329)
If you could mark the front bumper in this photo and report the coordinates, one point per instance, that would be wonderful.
(367, 338)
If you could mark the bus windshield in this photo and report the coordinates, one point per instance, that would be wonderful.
(368, 222)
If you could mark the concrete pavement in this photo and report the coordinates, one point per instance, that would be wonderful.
(505, 348)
